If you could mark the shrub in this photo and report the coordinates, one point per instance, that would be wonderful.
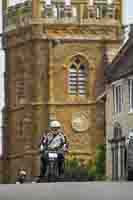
(93, 170)
(75, 169)
(100, 162)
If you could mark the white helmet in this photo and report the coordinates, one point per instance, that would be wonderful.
(55, 124)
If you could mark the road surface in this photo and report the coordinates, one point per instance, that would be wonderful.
(68, 191)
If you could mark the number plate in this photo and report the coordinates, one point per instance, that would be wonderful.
(52, 155)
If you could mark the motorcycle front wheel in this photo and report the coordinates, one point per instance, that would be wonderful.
(52, 171)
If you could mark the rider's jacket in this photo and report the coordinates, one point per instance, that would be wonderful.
(54, 142)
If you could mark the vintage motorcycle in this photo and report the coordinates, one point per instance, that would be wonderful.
(52, 156)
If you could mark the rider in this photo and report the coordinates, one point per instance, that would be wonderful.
(54, 140)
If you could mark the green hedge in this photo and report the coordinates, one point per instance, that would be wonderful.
(76, 169)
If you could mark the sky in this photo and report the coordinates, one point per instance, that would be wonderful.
(127, 19)
(127, 11)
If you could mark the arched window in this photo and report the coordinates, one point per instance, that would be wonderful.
(115, 152)
(117, 131)
(78, 76)
(73, 80)
(104, 11)
(118, 154)
(81, 80)
(61, 11)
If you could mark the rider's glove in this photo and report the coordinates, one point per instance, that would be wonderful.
(65, 147)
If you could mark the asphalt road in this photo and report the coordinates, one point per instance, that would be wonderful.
(68, 191)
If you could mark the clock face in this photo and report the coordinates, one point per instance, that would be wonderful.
(80, 121)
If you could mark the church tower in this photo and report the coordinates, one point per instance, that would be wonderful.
(55, 57)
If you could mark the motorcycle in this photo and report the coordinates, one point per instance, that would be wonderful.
(53, 156)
